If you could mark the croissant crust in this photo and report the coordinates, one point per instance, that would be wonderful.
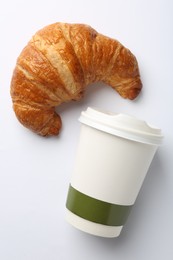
(56, 66)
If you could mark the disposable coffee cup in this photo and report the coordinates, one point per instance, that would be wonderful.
(113, 157)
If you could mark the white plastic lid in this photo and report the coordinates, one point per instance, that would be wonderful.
(122, 125)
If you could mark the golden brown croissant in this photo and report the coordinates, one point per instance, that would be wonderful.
(56, 66)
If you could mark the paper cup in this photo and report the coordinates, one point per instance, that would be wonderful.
(113, 157)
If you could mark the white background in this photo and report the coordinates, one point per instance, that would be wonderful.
(35, 171)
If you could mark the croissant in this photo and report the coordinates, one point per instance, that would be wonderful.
(56, 66)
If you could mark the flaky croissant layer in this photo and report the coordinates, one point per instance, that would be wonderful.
(56, 66)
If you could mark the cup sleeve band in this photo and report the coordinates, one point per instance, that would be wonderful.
(95, 210)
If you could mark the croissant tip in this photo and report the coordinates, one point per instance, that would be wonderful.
(52, 132)
(53, 127)
(134, 93)
(135, 89)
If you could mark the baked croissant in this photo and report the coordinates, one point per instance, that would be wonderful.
(56, 66)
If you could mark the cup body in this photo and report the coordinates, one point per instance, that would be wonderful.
(108, 174)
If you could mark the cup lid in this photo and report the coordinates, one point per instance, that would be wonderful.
(122, 125)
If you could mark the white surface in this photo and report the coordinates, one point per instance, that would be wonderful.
(35, 171)
(95, 229)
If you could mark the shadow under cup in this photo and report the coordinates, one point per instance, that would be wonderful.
(113, 157)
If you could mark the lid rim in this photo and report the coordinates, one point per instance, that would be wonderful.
(102, 122)
(121, 134)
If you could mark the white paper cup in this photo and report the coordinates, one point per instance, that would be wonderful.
(113, 157)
